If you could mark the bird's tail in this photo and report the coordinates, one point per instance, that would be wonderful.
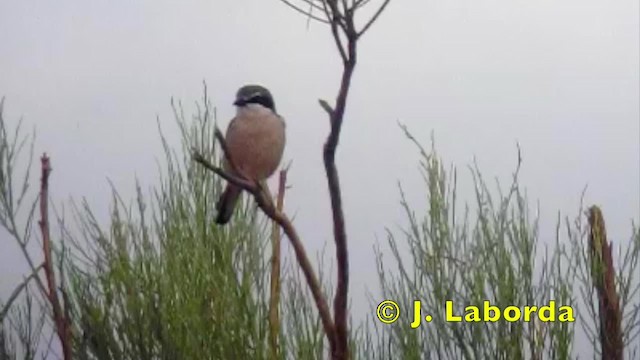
(227, 203)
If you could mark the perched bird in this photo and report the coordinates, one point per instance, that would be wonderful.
(255, 140)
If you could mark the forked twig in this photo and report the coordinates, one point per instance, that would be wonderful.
(341, 18)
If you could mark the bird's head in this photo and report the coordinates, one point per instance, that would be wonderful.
(255, 94)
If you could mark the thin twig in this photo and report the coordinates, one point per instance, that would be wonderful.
(373, 18)
(305, 12)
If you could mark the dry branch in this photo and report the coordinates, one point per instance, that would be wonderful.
(603, 274)
(61, 320)
(265, 203)
(341, 18)
(274, 303)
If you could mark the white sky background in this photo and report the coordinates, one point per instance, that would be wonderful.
(558, 77)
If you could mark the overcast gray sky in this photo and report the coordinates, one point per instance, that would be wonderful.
(558, 77)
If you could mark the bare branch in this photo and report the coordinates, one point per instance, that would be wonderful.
(340, 302)
(246, 185)
(307, 270)
(340, 15)
(345, 6)
(334, 16)
(374, 17)
(274, 303)
(307, 12)
(264, 201)
(61, 321)
(603, 275)
(345, 22)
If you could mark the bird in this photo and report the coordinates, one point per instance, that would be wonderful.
(255, 140)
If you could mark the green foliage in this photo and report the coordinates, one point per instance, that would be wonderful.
(162, 281)
(490, 252)
(465, 258)
(166, 282)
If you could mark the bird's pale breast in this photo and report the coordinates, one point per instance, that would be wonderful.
(256, 139)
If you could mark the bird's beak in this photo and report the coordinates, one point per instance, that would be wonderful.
(239, 102)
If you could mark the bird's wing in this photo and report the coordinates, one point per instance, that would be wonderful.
(230, 130)
(232, 124)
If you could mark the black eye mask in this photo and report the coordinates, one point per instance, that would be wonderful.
(257, 99)
(262, 100)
